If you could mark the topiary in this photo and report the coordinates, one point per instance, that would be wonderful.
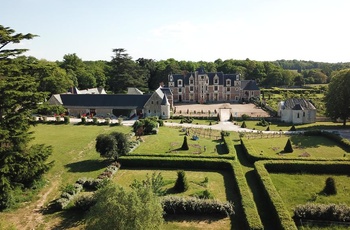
(243, 125)
(330, 188)
(184, 144)
(181, 184)
(292, 128)
(288, 148)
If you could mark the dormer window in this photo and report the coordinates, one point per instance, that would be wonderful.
(191, 81)
(216, 80)
(228, 82)
(171, 78)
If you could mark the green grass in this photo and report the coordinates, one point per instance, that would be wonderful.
(313, 146)
(74, 152)
(297, 189)
(196, 121)
(277, 126)
(169, 140)
(220, 185)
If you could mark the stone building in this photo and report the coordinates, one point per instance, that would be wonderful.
(202, 87)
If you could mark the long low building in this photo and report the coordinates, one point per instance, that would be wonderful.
(141, 105)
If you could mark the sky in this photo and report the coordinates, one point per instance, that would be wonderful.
(189, 30)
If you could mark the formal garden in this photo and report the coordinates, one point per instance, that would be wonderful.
(219, 166)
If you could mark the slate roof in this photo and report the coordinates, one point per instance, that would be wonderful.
(105, 100)
(298, 104)
(166, 91)
(249, 85)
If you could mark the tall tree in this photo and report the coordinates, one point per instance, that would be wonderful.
(124, 72)
(337, 96)
(20, 165)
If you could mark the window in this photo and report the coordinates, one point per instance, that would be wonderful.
(216, 81)
(179, 82)
(298, 115)
(152, 102)
(228, 97)
(236, 88)
(180, 90)
(191, 81)
(149, 111)
(216, 88)
(157, 102)
(228, 82)
(236, 98)
(228, 89)
(191, 88)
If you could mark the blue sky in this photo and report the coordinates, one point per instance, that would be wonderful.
(190, 30)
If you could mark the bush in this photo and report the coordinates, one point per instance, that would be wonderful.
(243, 124)
(263, 123)
(95, 120)
(293, 128)
(181, 184)
(196, 206)
(84, 202)
(245, 117)
(83, 120)
(66, 120)
(324, 212)
(330, 188)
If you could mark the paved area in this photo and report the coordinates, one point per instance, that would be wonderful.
(237, 109)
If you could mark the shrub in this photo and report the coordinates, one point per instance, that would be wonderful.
(263, 123)
(292, 128)
(84, 202)
(83, 120)
(243, 124)
(245, 117)
(66, 120)
(181, 184)
(288, 148)
(95, 120)
(330, 188)
(268, 128)
(184, 144)
(196, 206)
(324, 212)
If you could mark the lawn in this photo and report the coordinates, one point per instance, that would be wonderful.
(281, 126)
(219, 185)
(303, 146)
(74, 156)
(302, 188)
(170, 139)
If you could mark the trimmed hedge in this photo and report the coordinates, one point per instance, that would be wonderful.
(228, 145)
(315, 167)
(253, 156)
(250, 210)
(282, 214)
(252, 218)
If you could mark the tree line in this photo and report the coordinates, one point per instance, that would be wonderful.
(146, 74)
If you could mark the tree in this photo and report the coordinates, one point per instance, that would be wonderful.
(124, 72)
(184, 144)
(337, 96)
(112, 145)
(8, 36)
(20, 165)
(288, 148)
(106, 145)
(181, 184)
(117, 208)
(122, 143)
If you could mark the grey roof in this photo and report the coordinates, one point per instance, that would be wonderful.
(298, 104)
(165, 101)
(105, 100)
(249, 85)
(166, 91)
